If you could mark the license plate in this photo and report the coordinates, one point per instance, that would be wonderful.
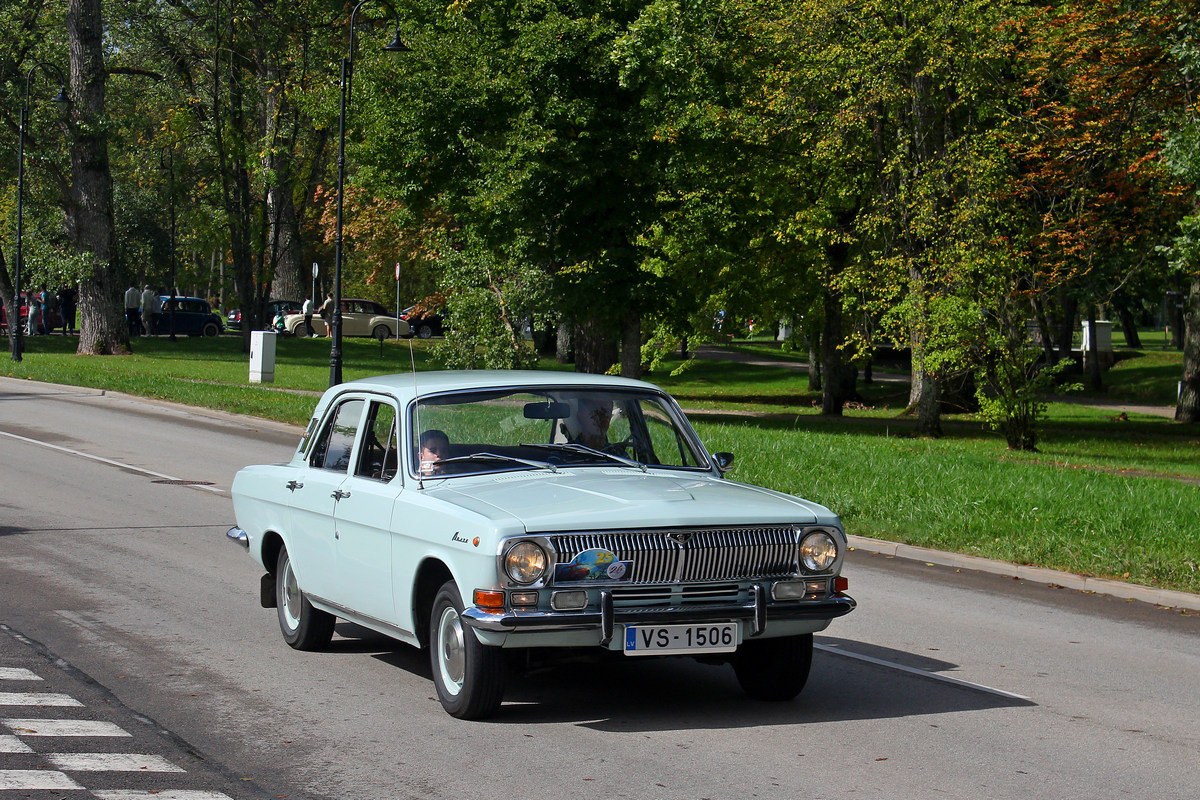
(713, 637)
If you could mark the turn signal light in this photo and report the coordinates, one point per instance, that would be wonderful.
(491, 600)
(841, 584)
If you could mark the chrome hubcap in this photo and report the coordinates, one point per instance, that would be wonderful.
(291, 595)
(452, 658)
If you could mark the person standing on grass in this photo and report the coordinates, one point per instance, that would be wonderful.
(147, 310)
(66, 304)
(307, 311)
(326, 312)
(33, 320)
(133, 305)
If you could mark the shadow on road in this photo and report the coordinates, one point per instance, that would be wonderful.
(622, 694)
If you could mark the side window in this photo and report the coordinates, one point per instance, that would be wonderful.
(333, 449)
(377, 454)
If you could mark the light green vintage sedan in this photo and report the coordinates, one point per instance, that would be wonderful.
(473, 513)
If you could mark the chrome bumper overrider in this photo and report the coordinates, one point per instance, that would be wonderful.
(604, 620)
(238, 536)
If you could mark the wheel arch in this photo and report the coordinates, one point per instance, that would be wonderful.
(430, 577)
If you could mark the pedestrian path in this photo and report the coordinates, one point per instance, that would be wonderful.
(52, 742)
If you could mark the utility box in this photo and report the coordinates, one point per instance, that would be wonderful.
(1104, 347)
(262, 356)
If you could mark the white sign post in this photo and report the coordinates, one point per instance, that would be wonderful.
(314, 291)
(397, 301)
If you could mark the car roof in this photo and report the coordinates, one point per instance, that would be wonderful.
(407, 384)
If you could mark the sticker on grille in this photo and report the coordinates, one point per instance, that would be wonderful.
(674, 556)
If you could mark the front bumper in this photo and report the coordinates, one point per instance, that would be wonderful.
(756, 613)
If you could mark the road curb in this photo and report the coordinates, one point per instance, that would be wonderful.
(1128, 591)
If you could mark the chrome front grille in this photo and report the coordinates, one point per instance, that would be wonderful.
(690, 555)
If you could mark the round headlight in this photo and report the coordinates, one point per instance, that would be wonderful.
(818, 551)
(525, 562)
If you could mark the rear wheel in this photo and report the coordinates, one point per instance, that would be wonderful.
(774, 669)
(303, 627)
(424, 331)
(469, 676)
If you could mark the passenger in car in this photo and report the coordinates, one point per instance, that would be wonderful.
(435, 445)
(589, 424)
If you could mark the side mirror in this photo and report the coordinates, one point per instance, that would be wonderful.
(724, 461)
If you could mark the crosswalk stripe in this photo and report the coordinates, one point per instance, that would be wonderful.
(110, 762)
(37, 699)
(11, 744)
(63, 727)
(32, 779)
(137, 794)
(17, 674)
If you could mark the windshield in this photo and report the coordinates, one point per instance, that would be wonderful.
(548, 428)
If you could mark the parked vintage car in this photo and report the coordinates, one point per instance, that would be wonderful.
(193, 316)
(425, 323)
(478, 513)
(234, 321)
(359, 318)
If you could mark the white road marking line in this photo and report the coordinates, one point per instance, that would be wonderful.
(63, 727)
(18, 674)
(11, 744)
(108, 461)
(110, 762)
(37, 699)
(33, 779)
(921, 672)
(139, 794)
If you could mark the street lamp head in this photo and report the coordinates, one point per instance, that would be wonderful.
(396, 45)
(62, 98)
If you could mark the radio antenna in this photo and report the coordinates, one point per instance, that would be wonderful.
(412, 359)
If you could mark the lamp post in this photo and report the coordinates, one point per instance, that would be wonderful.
(396, 46)
(14, 325)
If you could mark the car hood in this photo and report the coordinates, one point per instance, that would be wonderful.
(603, 499)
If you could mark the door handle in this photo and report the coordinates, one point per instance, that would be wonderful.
(294, 485)
(339, 494)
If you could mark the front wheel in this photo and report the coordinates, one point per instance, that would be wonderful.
(211, 329)
(774, 669)
(382, 332)
(469, 676)
(303, 627)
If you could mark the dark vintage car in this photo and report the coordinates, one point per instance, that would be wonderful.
(425, 323)
(193, 317)
(234, 321)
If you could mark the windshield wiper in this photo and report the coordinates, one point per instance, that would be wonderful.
(583, 448)
(495, 457)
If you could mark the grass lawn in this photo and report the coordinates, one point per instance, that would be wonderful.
(1106, 495)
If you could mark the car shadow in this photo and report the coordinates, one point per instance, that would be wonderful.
(850, 680)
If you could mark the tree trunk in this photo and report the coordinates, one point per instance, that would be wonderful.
(1188, 408)
(1091, 358)
(288, 280)
(563, 345)
(89, 211)
(839, 377)
(595, 348)
(10, 303)
(631, 345)
(1129, 327)
(1066, 325)
(814, 361)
